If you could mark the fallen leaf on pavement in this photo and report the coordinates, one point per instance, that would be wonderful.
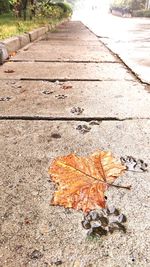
(82, 181)
(9, 71)
(12, 54)
(65, 87)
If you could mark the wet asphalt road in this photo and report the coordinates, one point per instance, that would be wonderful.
(127, 37)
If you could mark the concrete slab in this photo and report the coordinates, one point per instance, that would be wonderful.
(33, 233)
(84, 35)
(64, 71)
(72, 30)
(72, 26)
(97, 99)
(69, 42)
(50, 52)
(63, 38)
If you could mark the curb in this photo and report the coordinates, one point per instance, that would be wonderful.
(35, 34)
(3, 53)
(15, 43)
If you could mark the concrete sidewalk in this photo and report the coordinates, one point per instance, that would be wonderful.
(46, 91)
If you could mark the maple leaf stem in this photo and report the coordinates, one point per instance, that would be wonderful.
(98, 180)
(128, 187)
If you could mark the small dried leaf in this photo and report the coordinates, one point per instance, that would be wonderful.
(56, 135)
(9, 71)
(66, 87)
(12, 54)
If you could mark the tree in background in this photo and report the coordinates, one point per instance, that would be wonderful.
(31, 8)
(137, 4)
(20, 7)
(132, 4)
(4, 6)
(51, 9)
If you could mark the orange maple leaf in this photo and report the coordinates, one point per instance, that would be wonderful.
(82, 181)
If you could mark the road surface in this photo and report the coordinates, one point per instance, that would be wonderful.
(127, 37)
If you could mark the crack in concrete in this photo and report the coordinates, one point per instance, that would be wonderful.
(123, 62)
(86, 119)
(64, 61)
(117, 56)
(65, 80)
(133, 72)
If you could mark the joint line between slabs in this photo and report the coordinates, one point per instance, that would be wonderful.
(63, 61)
(66, 80)
(88, 119)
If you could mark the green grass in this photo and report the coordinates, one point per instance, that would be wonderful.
(11, 26)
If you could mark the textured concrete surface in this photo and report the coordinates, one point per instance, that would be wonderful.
(60, 52)
(84, 35)
(28, 221)
(64, 71)
(38, 122)
(74, 30)
(107, 99)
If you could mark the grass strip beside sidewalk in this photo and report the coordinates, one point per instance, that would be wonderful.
(11, 26)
